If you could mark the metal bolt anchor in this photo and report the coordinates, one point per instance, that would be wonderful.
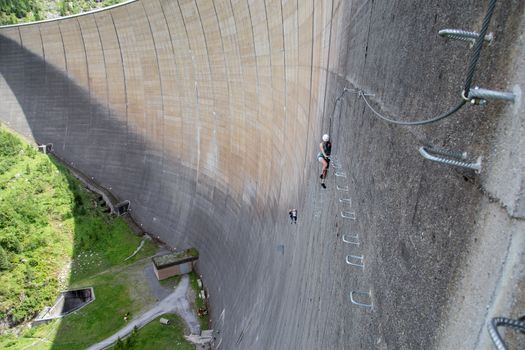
(446, 152)
(455, 162)
(464, 35)
(484, 94)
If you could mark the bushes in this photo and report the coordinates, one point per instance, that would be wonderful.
(5, 165)
(18, 11)
(4, 260)
(49, 233)
(71, 7)
(11, 244)
(128, 343)
(27, 238)
(11, 145)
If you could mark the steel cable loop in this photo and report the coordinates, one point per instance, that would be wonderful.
(468, 80)
(417, 122)
(477, 48)
(502, 321)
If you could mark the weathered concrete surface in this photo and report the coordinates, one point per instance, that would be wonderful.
(207, 115)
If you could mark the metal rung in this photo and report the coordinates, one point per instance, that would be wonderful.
(342, 188)
(354, 239)
(340, 174)
(485, 94)
(345, 200)
(464, 35)
(360, 293)
(348, 215)
(475, 166)
(359, 260)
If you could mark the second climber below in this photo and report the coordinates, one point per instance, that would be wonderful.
(324, 157)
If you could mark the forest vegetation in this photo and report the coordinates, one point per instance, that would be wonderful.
(22, 11)
(53, 232)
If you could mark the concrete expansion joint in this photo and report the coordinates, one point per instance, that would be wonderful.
(493, 199)
(506, 265)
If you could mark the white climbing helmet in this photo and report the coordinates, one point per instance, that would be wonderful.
(326, 138)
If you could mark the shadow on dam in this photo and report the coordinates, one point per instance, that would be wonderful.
(90, 137)
(274, 285)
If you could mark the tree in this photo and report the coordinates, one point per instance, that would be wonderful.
(16, 11)
(132, 339)
(119, 344)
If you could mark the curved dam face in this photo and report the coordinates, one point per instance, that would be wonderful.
(207, 116)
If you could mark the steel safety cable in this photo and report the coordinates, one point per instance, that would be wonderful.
(478, 45)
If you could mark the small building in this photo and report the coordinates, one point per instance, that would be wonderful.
(173, 264)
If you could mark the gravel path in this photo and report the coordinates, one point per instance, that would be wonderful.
(176, 302)
(158, 290)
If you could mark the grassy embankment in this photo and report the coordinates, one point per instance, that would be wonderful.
(53, 236)
(199, 302)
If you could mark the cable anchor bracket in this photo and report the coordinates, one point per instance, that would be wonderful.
(456, 158)
(464, 35)
(480, 96)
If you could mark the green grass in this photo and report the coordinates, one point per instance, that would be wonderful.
(116, 294)
(114, 244)
(155, 336)
(105, 315)
(36, 228)
(48, 222)
(199, 302)
(53, 237)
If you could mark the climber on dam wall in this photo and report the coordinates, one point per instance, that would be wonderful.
(324, 157)
(293, 216)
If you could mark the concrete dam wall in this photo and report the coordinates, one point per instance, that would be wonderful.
(207, 116)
